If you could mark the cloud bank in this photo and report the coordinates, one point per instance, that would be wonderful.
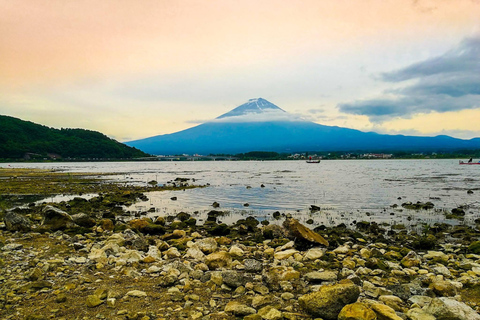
(450, 82)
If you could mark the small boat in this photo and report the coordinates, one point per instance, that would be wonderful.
(313, 161)
(461, 162)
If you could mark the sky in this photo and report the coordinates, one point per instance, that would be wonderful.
(135, 69)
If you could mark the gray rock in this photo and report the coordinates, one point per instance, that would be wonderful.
(16, 222)
(449, 309)
(252, 265)
(83, 220)
(12, 246)
(56, 219)
(233, 279)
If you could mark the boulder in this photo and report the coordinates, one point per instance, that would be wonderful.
(443, 288)
(298, 232)
(83, 220)
(56, 219)
(450, 309)
(16, 222)
(357, 311)
(329, 300)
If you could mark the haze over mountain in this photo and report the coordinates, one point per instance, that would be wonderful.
(259, 125)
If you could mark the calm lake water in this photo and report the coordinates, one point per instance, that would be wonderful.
(344, 190)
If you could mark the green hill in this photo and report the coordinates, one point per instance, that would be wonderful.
(27, 140)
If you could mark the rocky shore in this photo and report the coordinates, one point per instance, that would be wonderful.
(90, 259)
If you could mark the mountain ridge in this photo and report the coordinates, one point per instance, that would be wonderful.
(25, 139)
(292, 135)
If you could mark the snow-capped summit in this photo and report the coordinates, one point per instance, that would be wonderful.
(259, 125)
(253, 106)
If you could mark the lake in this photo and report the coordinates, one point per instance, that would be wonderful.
(345, 190)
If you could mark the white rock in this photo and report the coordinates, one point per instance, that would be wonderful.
(342, 250)
(446, 308)
(195, 253)
(314, 254)
(136, 294)
(172, 253)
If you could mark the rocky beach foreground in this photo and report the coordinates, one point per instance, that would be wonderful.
(91, 259)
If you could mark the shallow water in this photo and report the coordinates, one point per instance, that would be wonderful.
(345, 190)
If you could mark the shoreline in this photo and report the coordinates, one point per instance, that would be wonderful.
(77, 260)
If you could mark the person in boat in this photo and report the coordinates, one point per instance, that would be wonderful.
(470, 160)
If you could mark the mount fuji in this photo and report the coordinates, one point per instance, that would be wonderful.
(259, 125)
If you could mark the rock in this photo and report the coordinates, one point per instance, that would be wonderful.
(218, 260)
(420, 300)
(393, 302)
(384, 312)
(443, 288)
(93, 301)
(449, 309)
(284, 254)
(136, 294)
(239, 309)
(317, 276)
(130, 256)
(314, 254)
(252, 265)
(16, 222)
(341, 250)
(299, 232)
(207, 245)
(173, 253)
(474, 247)
(436, 256)
(412, 259)
(419, 314)
(98, 255)
(270, 313)
(233, 279)
(276, 275)
(195, 253)
(329, 300)
(356, 311)
(83, 220)
(56, 219)
(236, 251)
(12, 246)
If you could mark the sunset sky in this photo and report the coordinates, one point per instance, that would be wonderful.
(134, 69)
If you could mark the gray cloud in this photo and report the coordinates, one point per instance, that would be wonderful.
(448, 82)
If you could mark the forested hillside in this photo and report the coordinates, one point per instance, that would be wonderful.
(27, 140)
